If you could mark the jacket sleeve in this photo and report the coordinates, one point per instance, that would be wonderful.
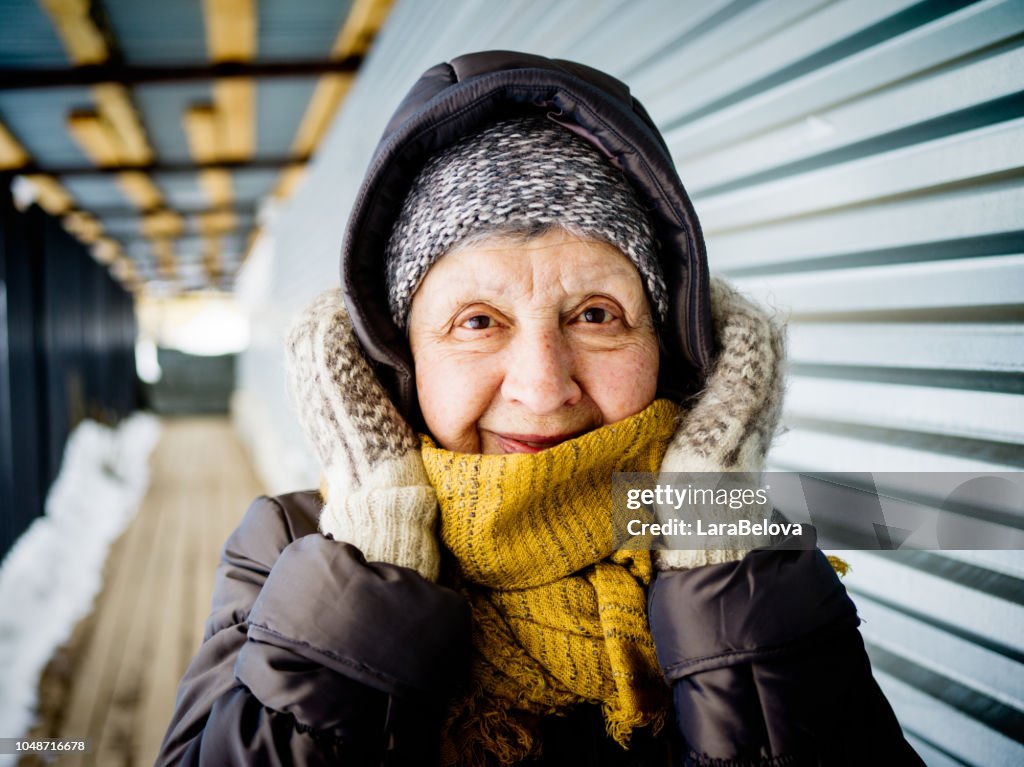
(767, 666)
(313, 656)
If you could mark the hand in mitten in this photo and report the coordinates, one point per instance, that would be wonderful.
(378, 495)
(730, 426)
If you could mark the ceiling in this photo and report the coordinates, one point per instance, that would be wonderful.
(156, 129)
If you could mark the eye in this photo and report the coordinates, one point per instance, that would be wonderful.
(478, 322)
(596, 315)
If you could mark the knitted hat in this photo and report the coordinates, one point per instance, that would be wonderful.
(517, 176)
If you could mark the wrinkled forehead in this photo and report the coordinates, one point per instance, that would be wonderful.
(551, 266)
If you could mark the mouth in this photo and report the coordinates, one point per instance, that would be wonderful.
(532, 443)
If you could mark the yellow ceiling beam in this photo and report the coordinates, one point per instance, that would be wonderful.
(12, 153)
(105, 141)
(112, 134)
(85, 226)
(227, 130)
(85, 44)
(289, 181)
(115, 105)
(52, 198)
(201, 130)
(94, 137)
(217, 185)
(162, 224)
(165, 262)
(82, 39)
(55, 200)
(200, 124)
(235, 106)
(212, 264)
(217, 222)
(98, 140)
(231, 36)
(230, 29)
(329, 93)
(124, 269)
(213, 225)
(50, 195)
(364, 20)
(106, 250)
(140, 190)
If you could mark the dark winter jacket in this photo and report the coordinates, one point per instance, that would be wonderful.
(314, 656)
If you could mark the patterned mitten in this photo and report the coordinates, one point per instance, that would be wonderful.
(735, 417)
(378, 495)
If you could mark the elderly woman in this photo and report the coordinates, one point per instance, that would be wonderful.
(525, 309)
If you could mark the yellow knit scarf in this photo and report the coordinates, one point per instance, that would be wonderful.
(559, 616)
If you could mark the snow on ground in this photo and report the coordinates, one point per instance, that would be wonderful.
(52, 574)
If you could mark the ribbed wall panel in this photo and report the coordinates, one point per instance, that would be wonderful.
(857, 165)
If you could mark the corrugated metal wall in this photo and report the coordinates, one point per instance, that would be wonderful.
(67, 351)
(856, 163)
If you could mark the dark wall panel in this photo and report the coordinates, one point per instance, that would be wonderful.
(22, 386)
(67, 336)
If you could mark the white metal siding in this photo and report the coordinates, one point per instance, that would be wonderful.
(858, 165)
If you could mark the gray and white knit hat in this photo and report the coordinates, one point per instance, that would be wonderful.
(522, 176)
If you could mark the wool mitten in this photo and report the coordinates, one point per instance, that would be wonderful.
(730, 425)
(378, 497)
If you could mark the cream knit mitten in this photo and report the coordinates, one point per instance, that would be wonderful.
(730, 424)
(378, 495)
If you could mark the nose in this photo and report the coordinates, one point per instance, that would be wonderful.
(539, 371)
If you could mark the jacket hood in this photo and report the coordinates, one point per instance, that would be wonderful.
(460, 97)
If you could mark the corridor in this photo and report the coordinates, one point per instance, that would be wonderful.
(114, 684)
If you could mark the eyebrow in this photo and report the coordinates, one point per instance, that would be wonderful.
(493, 282)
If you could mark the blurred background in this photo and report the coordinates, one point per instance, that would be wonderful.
(175, 177)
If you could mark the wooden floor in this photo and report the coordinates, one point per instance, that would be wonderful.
(126, 660)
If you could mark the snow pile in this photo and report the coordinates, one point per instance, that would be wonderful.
(52, 574)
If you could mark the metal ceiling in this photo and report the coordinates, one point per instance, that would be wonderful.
(217, 105)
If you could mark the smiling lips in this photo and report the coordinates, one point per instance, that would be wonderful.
(531, 443)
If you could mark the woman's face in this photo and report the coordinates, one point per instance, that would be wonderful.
(522, 344)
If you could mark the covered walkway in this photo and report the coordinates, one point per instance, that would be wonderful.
(115, 682)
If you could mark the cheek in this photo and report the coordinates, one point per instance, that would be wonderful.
(621, 383)
(454, 392)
